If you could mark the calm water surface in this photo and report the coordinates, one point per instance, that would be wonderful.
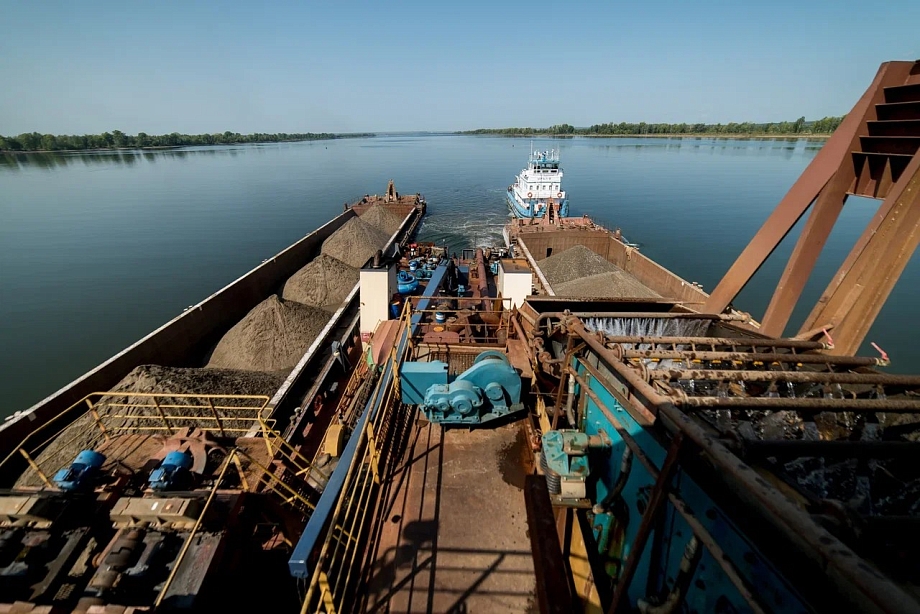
(96, 250)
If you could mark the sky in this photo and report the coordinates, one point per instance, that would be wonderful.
(202, 67)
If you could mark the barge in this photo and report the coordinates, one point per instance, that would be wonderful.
(499, 436)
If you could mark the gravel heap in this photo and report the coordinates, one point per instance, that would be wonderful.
(574, 263)
(272, 337)
(383, 219)
(324, 283)
(83, 433)
(355, 242)
(615, 284)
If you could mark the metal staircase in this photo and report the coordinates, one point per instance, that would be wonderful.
(890, 142)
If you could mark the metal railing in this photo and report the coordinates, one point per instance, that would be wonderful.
(120, 412)
(373, 461)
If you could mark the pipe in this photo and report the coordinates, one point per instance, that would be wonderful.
(617, 425)
(483, 284)
(720, 341)
(687, 568)
(798, 448)
(870, 591)
(560, 315)
(568, 404)
(901, 406)
(795, 377)
(849, 361)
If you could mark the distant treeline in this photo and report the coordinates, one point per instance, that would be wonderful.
(826, 125)
(33, 141)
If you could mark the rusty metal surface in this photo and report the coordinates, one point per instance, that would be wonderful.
(690, 355)
(453, 532)
(794, 204)
(733, 342)
(796, 377)
(554, 592)
(805, 405)
(805, 254)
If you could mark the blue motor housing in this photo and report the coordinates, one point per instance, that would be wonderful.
(406, 283)
(490, 389)
(81, 472)
(173, 472)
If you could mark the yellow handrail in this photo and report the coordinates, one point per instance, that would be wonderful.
(103, 408)
(357, 492)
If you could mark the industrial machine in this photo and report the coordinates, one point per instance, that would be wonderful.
(564, 460)
(489, 389)
(81, 472)
(173, 472)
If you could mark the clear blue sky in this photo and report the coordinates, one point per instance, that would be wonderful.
(85, 67)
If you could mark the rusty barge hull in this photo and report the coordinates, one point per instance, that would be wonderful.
(186, 339)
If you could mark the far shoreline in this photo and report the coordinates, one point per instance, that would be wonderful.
(797, 137)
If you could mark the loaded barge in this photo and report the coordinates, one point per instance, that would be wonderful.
(558, 424)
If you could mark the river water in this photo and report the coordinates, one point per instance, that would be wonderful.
(98, 249)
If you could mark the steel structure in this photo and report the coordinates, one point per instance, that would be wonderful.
(874, 153)
(736, 467)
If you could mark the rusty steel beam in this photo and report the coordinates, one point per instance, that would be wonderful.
(715, 317)
(803, 405)
(688, 355)
(857, 293)
(868, 589)
(814, 236)
(795, 377)
(790, 209)
(786, 449)
(554, 593)
(735, 342)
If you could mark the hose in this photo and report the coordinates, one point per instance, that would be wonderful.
(619, 485)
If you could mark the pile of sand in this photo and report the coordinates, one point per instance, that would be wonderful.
(383, 219)
(355, 242)
(324, 283)
(574, 263)
(615, 284)
(83, 434)
(273, 336)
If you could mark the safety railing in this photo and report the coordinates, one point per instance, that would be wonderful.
(100, 416)
(295, 470)
(337, 567)
(146, 412)
(236, 458)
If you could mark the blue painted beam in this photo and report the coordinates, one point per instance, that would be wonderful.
(319, 519)
(431, 292)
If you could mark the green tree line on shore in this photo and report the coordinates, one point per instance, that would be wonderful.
(826, 125)
(116, 139)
